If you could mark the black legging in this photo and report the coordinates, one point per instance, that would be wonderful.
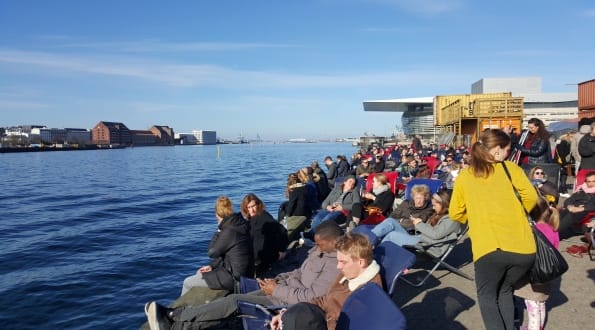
(495, 275)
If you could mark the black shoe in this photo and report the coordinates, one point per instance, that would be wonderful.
(157, 316)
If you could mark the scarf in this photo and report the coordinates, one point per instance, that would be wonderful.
(380, 190)
(586, 188)
(366, 276)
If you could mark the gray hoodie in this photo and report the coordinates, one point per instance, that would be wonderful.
(583, 130)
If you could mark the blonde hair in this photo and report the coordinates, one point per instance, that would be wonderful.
(357, 246)
(382, 179)
(546, 213)
(223, 207)
(420, 189)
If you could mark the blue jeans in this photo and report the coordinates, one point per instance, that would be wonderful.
(322, 216)
(390, 230)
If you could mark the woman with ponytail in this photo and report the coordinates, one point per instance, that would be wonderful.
(501, 238)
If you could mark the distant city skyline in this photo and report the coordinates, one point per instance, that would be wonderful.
(280, 70)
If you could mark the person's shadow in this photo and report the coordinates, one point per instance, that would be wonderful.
(438, 310)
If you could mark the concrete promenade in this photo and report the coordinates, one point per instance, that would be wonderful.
(448, 301)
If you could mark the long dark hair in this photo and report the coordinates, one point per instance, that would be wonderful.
(482, 162)
(542, 133)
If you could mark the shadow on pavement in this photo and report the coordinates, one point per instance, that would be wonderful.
(445, 305)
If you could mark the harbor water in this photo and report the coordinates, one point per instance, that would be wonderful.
(88, 237)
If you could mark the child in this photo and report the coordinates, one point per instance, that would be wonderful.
(547, 221)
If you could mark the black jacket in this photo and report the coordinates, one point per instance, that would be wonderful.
(384, 201)
(586, 148)
(231, 253)
(343, 169)
(332, 174)
(298, 202)
(538, 152)
(269, 238)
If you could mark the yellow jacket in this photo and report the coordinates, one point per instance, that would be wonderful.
(495, 215)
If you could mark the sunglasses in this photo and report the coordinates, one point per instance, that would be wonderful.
(539, 173)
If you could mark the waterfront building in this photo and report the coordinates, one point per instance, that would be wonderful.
(111, 133)
(78, 136)
(165, 134)
(143, 138)
(48, 135)
(549, 107)
(185, 138)
(419, 113)
(205, 137)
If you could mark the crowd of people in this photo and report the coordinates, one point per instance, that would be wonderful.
(478, 191)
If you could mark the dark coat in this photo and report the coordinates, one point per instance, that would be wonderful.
(384, 201)
(586, 148)
(322, 185)
(343, 168)
(379, 165)
(231, 253)
(563, 151)
(298, 202)
(538, 152)
(331, 174)
(269, 238)
(581, 198)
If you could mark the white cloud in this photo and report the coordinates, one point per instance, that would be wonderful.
(8, 105)
(424, 6)
(206, 75)
(158, 46)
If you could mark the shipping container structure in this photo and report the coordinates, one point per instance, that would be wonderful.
(467, 115)
(586, 99)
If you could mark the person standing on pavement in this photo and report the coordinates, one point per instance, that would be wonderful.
(501, 238)
(586, 147)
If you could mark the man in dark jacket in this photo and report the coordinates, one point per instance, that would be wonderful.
(343, 167)
(230, 252)
(586, 148)
(311, 280)
(332, 171)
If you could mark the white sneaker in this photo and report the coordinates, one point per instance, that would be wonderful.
(566, 195)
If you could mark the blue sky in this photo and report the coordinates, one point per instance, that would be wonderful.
(280, 69)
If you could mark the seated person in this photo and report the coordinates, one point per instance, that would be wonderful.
(546, 188)
(338, 204)
(230, 252)
(297, 194)
(577, 206)
(418, 207)
(305, 175)
(379, 163)
(378, 201)
(356, 262)
(320, 180)
(313, 279)
(438, 228)
(363, 169)
(269, 237)
(451, 176)
(408, 169)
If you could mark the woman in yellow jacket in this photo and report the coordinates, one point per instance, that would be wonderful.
(501, 238)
